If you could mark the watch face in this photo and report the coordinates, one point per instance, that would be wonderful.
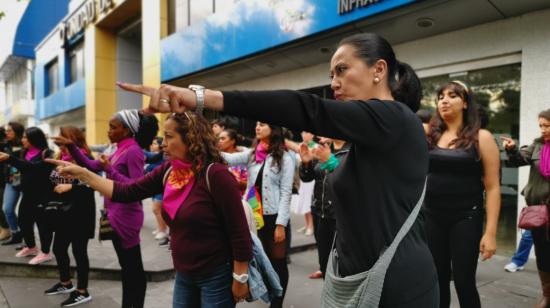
(195, 87)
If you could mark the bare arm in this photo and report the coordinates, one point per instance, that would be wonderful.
(490, 158)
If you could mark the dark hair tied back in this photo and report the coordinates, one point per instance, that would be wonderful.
(403, 81)
(148, 129)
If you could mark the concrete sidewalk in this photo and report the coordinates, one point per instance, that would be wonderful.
(103, 261)
(497, 288)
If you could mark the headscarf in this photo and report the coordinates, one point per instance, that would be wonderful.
(130, 119)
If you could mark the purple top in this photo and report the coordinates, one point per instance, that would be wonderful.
(126, 218)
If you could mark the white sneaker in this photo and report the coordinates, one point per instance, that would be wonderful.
(309, 232)
(160, 236)
(512, 267)
(155, 232)
(301, 230)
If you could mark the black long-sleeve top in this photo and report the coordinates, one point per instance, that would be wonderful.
(375, 188)
(322, 204)
(35, 181)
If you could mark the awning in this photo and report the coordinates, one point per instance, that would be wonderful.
(40, 17)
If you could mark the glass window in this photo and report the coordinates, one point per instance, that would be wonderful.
(199, 10)
(52, 75)
(76, 63)
(497, 90)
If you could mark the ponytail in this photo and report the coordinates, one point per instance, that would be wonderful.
(407, 88)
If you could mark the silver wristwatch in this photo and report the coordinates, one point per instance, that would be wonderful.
(241, 278)
(199, 92)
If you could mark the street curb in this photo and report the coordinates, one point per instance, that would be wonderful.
(12, 269)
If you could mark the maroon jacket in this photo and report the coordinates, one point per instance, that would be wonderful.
(209, 228)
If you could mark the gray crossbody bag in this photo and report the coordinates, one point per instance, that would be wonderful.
(363, 289)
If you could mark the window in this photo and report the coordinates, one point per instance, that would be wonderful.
(52, 77)
(199, 10)
(76, 63)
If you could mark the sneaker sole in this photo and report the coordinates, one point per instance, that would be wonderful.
(60, 292)
(80, 302)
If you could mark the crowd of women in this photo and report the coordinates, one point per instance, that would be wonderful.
(399, 209)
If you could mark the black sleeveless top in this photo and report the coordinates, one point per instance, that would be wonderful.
(455, 179)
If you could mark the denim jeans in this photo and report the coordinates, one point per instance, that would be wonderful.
(210, 290)
(524, 249)
(11, 197)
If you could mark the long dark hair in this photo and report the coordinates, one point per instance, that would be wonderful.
(196, 132)
(403, 81)
(36, 138)
(148, 129)
(468, 134)
(276, 145)
(18, 129)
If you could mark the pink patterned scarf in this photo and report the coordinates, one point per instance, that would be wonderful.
(261, 152)
(177, 187)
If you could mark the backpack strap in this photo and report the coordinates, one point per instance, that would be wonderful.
(166, 173)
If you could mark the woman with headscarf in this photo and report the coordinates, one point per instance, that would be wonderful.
(131, 131)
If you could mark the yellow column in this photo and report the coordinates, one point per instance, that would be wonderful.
(154, 25)
(100, 66)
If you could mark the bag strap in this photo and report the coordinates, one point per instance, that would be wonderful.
(166, 173)
(208, 178)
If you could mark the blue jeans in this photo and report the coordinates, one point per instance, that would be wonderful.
(524, 248)
(11, 197)
(210, 290)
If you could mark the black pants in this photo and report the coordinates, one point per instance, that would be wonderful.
(542, 249)
(134, 281)
(276, 252)
(29, 214)
(324, 230)
(453, 237)
(79, 244)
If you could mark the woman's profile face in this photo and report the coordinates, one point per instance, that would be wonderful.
(544, 126)
(173, 145)
(224, 142)
(351, 78)
(263, 131)
(450, 104)
(25, 142)
(10, 134)
(117, 131)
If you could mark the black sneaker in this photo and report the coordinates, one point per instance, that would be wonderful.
(164, 242)
(60, 288)
(76, 298)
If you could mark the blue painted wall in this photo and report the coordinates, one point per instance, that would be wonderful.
(254, 26)
(40, 17)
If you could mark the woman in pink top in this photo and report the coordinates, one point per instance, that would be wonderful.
(131, 131)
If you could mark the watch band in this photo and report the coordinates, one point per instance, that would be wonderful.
(241, 278)
(199, 92)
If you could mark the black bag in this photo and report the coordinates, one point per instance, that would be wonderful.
(106, 231)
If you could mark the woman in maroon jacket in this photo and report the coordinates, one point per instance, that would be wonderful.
(207, 222)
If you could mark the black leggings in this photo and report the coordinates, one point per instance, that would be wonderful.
(453, 237)
(542, 249)
(324, 228)
(29, 214)
(61, 244)
(134, 281)
(276, 252)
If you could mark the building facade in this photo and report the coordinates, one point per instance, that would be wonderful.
(501, 48)
(17, 67)
(78, 63)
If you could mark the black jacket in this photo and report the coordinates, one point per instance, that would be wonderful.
(35, 183)
(322, 205)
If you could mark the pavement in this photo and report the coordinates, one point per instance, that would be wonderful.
(24, 288)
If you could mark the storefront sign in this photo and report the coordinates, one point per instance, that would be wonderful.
(346, 6)
(86, 14)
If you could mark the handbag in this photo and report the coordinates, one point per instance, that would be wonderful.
(106, 231)
(534, 216)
